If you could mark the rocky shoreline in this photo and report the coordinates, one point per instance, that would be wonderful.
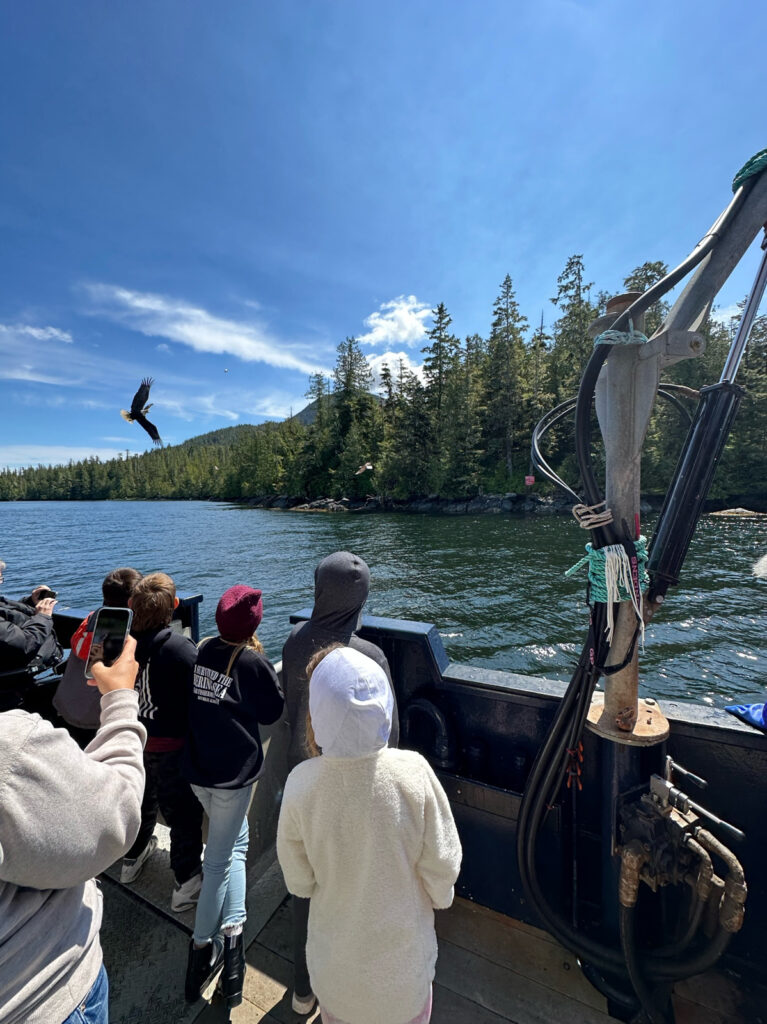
(485, 504)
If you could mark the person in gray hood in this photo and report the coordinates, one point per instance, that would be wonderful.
(67, 815)
(341, 586)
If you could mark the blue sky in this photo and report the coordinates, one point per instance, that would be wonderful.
(216, 194)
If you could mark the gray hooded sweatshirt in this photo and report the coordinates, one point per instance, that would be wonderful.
(341, 586)
(67, 814)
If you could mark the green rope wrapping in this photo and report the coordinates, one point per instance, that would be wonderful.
(629, 337)
(755, 165)
(595, 559)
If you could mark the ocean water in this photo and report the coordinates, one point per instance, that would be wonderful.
(493, 585)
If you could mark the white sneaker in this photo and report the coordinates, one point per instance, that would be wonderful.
(133, 867)
(185, 896)
(303, 1005)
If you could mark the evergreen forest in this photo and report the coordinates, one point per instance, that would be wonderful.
(460, 430)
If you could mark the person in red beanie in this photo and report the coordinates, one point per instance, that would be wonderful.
(235, 689)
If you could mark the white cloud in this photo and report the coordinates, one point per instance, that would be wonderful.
(724, 314)
(189, 407)
(36, 333)
(392, 359)
(162, 347)
(398, 322)
(35, 354)
(278, 405)
(14, 456)
(159, 316)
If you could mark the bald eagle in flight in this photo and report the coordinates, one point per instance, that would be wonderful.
(138, 410)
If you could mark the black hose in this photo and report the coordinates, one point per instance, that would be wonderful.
(554, 415)
(697, 963)
(655, 1014)
(608, 985)
(681, 944)
(550, 764)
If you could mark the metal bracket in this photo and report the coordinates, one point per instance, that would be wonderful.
(672, 346)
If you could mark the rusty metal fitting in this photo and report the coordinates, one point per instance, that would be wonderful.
(713, 845)
(731, 915)
(633, 857)
(626, 718)
(713, 905)
(705, 871)
(731, 907)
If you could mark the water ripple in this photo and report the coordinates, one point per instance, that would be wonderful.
(494, 585)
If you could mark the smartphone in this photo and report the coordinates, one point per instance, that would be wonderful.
(46, 592)
(110, 629)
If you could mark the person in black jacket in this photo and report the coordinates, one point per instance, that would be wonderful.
(166, 666)
(27, 638)
(235, 690)
(341, 585)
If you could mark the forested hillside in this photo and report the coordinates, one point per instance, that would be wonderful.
(462, 430)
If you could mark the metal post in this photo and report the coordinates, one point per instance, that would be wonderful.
(738, 346)
(624, 399)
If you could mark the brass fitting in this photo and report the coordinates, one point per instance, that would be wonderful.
(633, 858)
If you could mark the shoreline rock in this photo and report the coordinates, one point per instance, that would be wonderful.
(511, 503)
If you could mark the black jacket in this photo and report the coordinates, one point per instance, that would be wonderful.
(25, 636)
(223, 747)
(166, 665)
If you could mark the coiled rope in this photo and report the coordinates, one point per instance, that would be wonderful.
(755, 165)
(610, 578)
(629, 337)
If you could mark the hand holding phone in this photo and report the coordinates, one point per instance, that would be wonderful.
(110, 629)
(121, 675)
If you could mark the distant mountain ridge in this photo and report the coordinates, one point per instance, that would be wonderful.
(228, 436)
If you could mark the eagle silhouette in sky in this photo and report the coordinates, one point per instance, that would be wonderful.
(139, 408)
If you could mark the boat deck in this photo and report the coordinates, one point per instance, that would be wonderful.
(491, 969)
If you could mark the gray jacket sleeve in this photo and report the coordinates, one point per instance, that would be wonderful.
(68, 814)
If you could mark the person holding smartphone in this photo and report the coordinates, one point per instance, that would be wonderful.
(67, 815)
(77, 704)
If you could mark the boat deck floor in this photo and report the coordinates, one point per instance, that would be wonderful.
(491, 969)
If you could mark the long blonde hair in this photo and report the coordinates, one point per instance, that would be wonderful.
(252, 642)
(311, 743)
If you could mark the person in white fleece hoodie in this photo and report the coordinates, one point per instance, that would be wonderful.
(367, 833)
(67, 814)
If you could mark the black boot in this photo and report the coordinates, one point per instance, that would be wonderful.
(234, 969)
(202, 966)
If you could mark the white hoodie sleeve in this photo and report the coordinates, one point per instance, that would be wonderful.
(291, 852)
(440, 859)
(68, 814)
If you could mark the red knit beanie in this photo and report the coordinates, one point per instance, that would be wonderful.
(239, 613)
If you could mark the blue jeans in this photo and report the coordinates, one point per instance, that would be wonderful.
(94, 1009)
(222, 897)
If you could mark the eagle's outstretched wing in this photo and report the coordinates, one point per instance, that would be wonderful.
(150, 428)
(139, 399)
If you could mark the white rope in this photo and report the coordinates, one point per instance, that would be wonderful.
(589, 518)
(618, 574)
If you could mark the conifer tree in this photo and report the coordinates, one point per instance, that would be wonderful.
(572, 344)
(441, 360)
(505, 422)
(639, 280)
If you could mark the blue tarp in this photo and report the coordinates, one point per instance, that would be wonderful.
(754, 714)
